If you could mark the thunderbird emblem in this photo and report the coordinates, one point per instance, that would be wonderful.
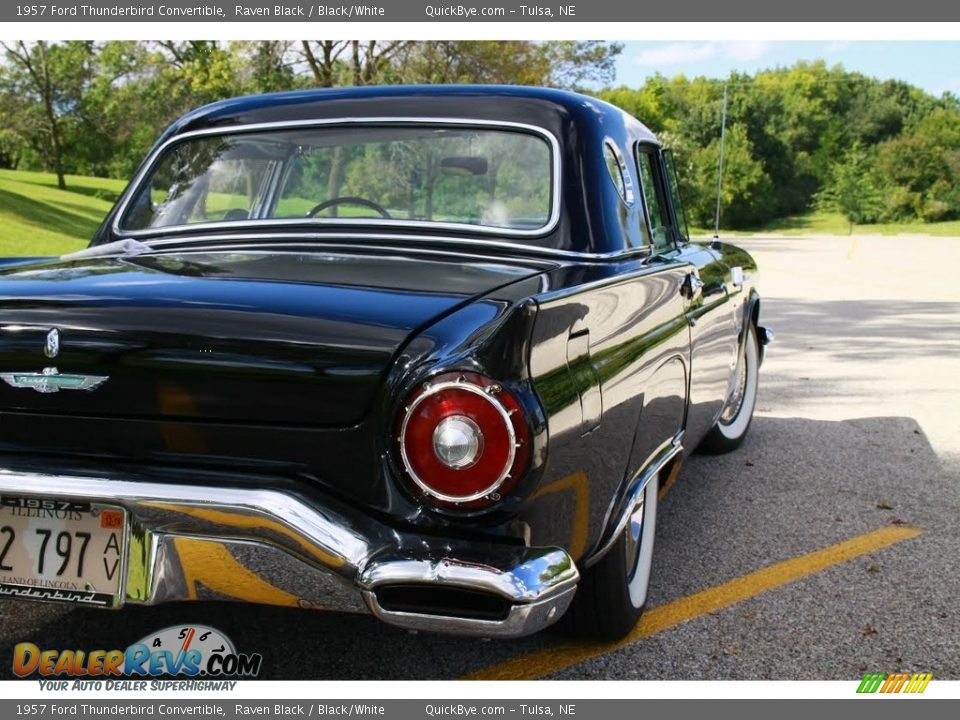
(51, 381)
(52, 348)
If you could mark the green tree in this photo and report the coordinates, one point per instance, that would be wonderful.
(351, 62)
(792, 133)
(647, 103)
(852, 189)
(746, 190)
(563, 64)
(42, 86)
(158, 83)
(266, 66)
(576, 64)
(798, 124)
(922, 168)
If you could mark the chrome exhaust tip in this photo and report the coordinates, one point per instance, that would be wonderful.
(436, 609)
(518, 595)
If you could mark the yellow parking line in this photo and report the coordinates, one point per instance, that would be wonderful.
(853, 248)
(548, 661)
(668, 483)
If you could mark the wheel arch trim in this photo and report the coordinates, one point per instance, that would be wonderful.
(620, 509)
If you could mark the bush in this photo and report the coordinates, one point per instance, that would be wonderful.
(852, 189)
(900, 204)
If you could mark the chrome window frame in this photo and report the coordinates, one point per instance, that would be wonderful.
(627, 195)
(137, 184)
(426, 242)
(641, 147)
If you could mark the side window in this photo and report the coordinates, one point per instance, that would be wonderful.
(681, 216)
(653, 199)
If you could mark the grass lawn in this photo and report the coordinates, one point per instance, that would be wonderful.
(38, 219)
(820, 223)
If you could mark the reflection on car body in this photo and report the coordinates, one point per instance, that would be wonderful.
(422, 352)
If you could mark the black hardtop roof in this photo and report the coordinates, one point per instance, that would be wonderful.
(544, 107)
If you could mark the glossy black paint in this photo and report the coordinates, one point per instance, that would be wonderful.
(287, 355)
(221, 328)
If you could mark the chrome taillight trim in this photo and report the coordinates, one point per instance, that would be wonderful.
(487, 395)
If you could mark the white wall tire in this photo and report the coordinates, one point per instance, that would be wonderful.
(735, 418)
(641, 550)
(612, 593)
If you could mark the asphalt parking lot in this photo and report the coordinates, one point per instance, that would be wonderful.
(826, 547)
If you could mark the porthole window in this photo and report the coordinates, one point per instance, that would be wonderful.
(617, 167)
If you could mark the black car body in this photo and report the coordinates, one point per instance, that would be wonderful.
(255, 393)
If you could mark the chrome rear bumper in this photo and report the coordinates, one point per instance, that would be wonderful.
(196, 542)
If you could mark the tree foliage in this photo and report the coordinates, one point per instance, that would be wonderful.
(42, 92)
(792, 133)
(96, 108)
(852, 189)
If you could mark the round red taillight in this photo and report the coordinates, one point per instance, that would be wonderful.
(463, 439)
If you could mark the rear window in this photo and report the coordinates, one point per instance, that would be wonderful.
(492, 178)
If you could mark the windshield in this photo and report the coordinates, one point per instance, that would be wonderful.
(447, 175)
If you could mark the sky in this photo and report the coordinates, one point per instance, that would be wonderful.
(933, 66)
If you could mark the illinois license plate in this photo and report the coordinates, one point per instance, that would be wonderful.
(62, 551)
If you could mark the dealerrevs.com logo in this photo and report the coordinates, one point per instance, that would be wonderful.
(190, 651)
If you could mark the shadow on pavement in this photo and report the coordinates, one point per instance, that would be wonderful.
(795, 486)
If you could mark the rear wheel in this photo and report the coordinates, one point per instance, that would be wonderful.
(734, 421)
(612, 593)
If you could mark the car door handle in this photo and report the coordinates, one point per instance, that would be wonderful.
(692, 284)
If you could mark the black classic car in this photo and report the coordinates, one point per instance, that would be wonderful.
(422, 352)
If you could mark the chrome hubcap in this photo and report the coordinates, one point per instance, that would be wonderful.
(735, 400)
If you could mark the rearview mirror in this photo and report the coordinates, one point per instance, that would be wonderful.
(464, 165)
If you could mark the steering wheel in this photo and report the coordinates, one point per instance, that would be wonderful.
(382, 211)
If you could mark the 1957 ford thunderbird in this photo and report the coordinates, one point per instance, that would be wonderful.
(421, 352)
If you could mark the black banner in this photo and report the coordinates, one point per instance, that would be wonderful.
(420, 11)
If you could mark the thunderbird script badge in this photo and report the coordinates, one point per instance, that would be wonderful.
(51, 380)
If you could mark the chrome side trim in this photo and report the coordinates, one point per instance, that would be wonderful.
(634, 496)
(150, 163)
(477, 243)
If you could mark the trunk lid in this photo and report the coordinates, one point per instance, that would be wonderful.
(258, 337)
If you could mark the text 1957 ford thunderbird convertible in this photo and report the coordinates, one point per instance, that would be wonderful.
(421, 352)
